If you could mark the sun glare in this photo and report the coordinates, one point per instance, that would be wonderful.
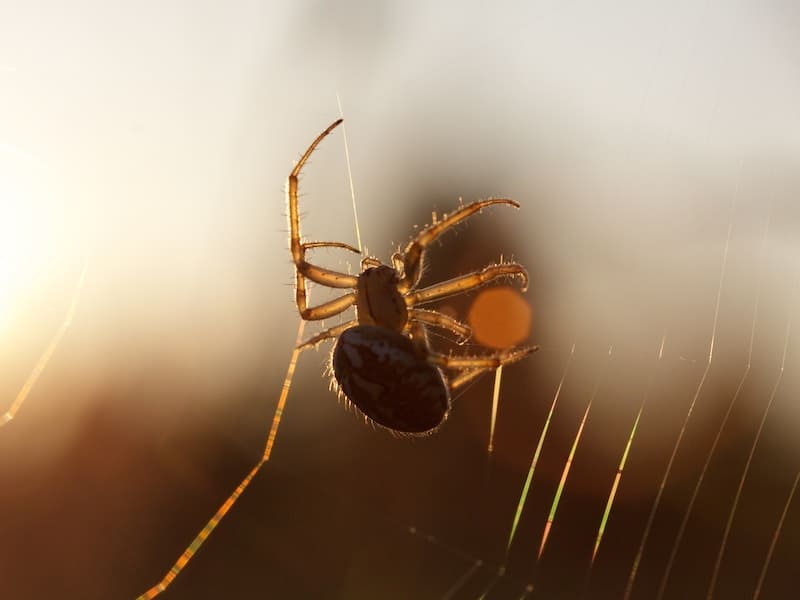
(18, 245)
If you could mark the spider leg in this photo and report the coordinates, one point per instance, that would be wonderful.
(464, 283)
(469, 374)
(328, 334)
(437, 319)
(313, 272)
(326, 277)
(481, 363)
(397, 262)
(464, 378)
(308, 245)
(412, 257)
(321, 311)
(370, 261)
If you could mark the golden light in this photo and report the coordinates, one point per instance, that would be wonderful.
(500, 318)
(20, 245)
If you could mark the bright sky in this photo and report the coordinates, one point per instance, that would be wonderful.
(154, 141)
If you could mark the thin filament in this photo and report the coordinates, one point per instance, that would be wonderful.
(45, 357)
(732, 513)
(737, 393)
(498, 374)
(201, 537)
(535, 460)
(491, 585)
(349, 173)
(663, 484)
(775, 537)
(623, 460)
(565, 474)
(462, 581)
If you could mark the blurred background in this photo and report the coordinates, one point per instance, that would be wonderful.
(654, 150)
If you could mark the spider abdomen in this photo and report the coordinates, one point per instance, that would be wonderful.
(382, 373)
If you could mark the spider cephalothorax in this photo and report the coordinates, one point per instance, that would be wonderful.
(378, 299)
(382, 362)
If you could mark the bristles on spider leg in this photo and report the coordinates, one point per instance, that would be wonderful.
(522, 275)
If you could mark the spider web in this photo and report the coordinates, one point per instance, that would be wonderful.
(635, 518)
(672, 515)
(676, 495)
(669, 525)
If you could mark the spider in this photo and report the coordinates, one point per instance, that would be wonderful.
(382, 361)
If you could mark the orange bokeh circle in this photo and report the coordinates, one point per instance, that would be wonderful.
(500, 318)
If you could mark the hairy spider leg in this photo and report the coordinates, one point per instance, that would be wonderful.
(397, 262)
(437, 319)
(489, 362)
(428, 317)
(465, 283)
(419, 336)
(305, 269)
(469, 372)
(370, 261)
(321, 311)
(472, 366)
(308, 245)
(464, 378)
(313, 272)
(412, 257)
(328, 334)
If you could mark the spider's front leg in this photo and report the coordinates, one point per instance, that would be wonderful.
(411, 258)
(321, 275)
(313, 272)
